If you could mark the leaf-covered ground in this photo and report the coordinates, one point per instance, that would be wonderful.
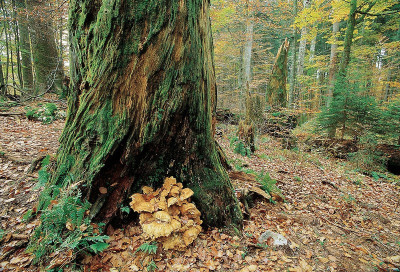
(334, 218)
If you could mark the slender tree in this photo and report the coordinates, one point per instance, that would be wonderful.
(333, 62)
(292, 78)
(303, 44)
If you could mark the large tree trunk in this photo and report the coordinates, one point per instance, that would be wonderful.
(44, 49)
(26, 57)
(143, 84)
(276, 89)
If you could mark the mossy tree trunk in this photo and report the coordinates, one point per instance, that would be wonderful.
(143, 86)
(45, 56)
(276, 89)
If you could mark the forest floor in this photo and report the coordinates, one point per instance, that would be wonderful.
(334, 218)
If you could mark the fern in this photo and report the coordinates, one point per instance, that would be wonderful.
(152, 266)
(99, 247)
(269, 185)
(52, 234)
(148, 248)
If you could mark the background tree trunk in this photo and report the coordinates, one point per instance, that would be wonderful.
(140, 109)
(26, 57)
(44, 49)
(3, 90)
(276, 90)
(292, 78)
(303, 44)
(348, 40)
(333, 62)
(247, 52)
(312, 49)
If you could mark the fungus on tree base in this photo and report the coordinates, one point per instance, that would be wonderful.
(166, 215)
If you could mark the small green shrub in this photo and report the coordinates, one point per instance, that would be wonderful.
(239, 147)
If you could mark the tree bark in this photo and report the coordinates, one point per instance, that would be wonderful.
(303, 44)
(292, 79)
(3, 90)
(348, 40)
(312, 49)
(17, 43)
(247, 52)
(44, 49)
(143, 85)
(26, 56)
(333, 62)
(6, 26)
(276, 90)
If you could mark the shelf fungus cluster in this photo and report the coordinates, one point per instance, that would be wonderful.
(167, 216)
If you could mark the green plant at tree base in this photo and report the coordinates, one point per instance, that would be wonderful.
(65, 226)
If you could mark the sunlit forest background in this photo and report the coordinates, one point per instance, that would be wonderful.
(319, 28)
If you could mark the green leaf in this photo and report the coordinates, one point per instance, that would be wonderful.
(99, 247)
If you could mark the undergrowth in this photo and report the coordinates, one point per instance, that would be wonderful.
(64, 222)
(269, 185)
(47, 113)
(66, 226)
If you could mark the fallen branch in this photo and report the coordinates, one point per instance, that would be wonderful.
(12, 114)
